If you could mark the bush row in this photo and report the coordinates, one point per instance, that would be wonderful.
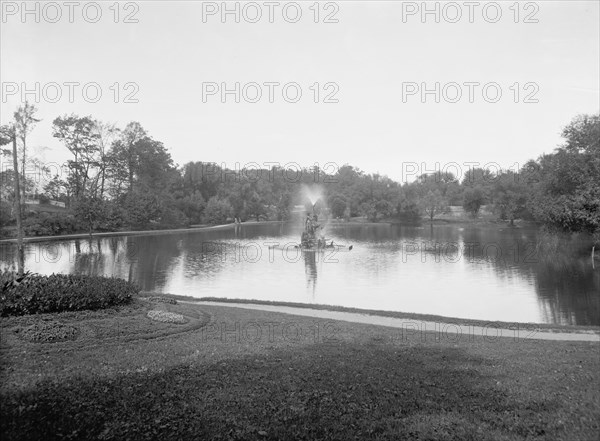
(36, 294)
(50, 224)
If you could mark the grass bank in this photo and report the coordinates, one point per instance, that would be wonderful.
(228, 373)
(396, 314)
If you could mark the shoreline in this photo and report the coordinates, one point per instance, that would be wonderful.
(135, 232)
(442, 330)
(335, 222)
(425, 318)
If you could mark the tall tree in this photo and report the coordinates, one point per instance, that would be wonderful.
(80, 136)
(566, 193)
(509, 194)
(7, 135)
(25, 121)
(56, 188)
(432, 190)
(126, 152)
(473, 199)
(432, 202)
(107, 134)
(480, 178)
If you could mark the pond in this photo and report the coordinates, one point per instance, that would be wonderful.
(479, 272)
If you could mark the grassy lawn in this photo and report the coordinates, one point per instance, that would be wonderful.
(230, 373)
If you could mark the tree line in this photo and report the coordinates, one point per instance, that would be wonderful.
(121, 178)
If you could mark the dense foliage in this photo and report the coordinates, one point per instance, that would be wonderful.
(50, 224)
(566, 184)
(37, 294)
(125, 179)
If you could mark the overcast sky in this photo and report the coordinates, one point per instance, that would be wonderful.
(373, 53)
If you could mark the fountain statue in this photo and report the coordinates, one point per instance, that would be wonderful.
(312, 237)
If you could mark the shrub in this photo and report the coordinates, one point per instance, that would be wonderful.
(159, 299)
(473, 200)
(114, 217)
(5, 213)
(408, 211)
(37, 294)
(338, 206)
(217, 211)
(49, 224)
(142, 209)
(173, 218)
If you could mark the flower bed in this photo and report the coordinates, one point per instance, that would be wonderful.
(166, 317)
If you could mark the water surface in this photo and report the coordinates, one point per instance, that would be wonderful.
(486, 273)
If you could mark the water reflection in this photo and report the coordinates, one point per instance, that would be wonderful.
(310, 269)
(474, 272)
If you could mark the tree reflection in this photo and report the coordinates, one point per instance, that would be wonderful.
(88, 258)
(152, 259)
(568, 289)
(566, 286)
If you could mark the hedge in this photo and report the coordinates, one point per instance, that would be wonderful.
(37, 294)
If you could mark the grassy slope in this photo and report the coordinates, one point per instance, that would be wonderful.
(335, 380)
(531, 327)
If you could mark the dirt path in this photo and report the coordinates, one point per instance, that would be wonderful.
(491, 331)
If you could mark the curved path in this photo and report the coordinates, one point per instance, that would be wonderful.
(414, 326)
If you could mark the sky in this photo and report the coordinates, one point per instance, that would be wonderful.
(372, 60)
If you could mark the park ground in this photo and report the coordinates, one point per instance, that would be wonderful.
(231, 373)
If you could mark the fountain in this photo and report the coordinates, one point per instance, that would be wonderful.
(313, 237)
(313, 194)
